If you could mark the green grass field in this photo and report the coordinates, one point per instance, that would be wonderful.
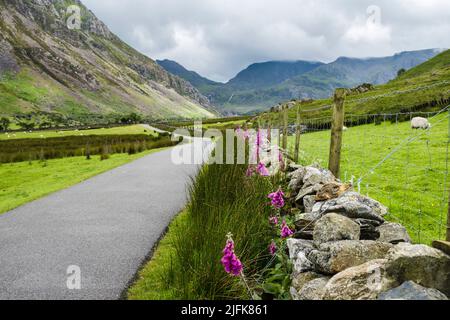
(24, 182)
(39, 134)
(412, 182)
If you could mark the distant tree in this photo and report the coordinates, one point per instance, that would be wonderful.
(26, 124)
(4, 124)
(131, 118)
(400, 72)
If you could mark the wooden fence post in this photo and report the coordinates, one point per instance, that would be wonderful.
(280, 123)
(298, 132)
(337, 126)
(448, 211)
(285, 127)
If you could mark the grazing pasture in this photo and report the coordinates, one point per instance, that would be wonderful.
(405, 169)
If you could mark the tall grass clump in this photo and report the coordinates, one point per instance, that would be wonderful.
(18, 150)
(222, 200)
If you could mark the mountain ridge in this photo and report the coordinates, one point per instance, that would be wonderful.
(317, 83)
(84, 71)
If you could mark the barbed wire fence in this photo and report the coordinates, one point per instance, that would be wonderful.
(384, 158)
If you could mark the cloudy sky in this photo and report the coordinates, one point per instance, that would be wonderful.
(218, 38)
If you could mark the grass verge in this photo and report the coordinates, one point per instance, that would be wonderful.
(186, 264)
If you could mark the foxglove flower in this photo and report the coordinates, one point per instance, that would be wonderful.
(285, 231)
(250, 171)
(262, 170)
(238, 131)
(277, 199)
(246, 134)
(281, 160)
(273, 220)
(230, 261)
(273, 248)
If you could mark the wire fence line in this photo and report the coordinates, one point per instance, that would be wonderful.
(388, 94)
(384, 158)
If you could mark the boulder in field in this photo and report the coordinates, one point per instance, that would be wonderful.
(412, 291)
(334, 257)
(335, 227)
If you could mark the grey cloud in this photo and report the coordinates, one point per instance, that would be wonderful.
(218, 38)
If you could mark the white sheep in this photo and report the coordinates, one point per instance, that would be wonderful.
(420, 123)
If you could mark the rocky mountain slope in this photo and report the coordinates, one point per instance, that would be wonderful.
(48, 65)
(263, 85)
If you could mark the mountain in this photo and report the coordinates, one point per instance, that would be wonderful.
(193, 77)
(266, 74)
(263, 85)
(349, 72)
(45, 66)
(424, 87)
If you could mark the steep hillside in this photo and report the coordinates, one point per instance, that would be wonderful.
(193, 77)
(47, 66)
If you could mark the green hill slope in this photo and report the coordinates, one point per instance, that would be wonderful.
(45, 66)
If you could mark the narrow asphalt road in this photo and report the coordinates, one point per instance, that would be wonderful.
(103, 227)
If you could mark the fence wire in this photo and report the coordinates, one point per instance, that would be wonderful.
(384, 158)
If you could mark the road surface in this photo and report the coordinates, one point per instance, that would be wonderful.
(103, 227)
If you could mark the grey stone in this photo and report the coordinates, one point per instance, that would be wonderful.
(422, 264)
(309, 190)
(302, 263)
(362, 282)
(305, 221)
(300, 279)
(393, 233)
(314, 289)
(412, 291)
(298, 251)
(308, 203)
(297, 245)
(334, 257)
(352, 205)
(369, 229)
(335, 227)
